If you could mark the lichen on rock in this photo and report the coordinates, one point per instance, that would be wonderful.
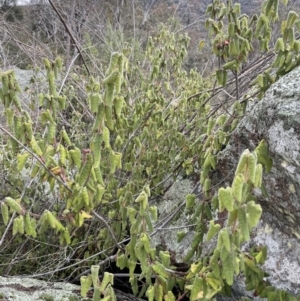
(276, 119)
(30, 289)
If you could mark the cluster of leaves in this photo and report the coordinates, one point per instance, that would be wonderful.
(104, 287)
(209, 277)
(235, 35)
(148, 124)
(125, 151)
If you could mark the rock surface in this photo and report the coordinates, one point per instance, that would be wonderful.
(172, 204)
(29, 289)
(276, 119)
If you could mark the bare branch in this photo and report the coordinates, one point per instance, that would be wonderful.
(70, 34)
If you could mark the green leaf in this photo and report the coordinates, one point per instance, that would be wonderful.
(237, 187)
(269, 6)
(144, 239)
(213, 230)
(273, 296)
(207, 211)
(165, 258)
(27, 225)
(95, 276)
(263, 157)
(214, 263)
(223, 253)
(228, 269)
(262, 255)
(250, 263)
(207, 186)
(169, 296)
(215, 203)
(134, 284)
(108, 278)
(190, 201)
(242, 162)
(160, 270)
(229, 65)
(5, 213)
(251, 167)
(158, 292)
(243, 224)
(143, 197)
(258, 176)
(214, 283)
(224, 234)
(148, 222)
(232, 217)
(121, 261)
(197, 239)
(225, 199)
(219, 243)
(14, 205)
(131, 214)
(180, 235)
(150, 293)
(85, 171)
(76, 156)
(22, 159)
(291, 19)
(194, 269)
(197, 289)
(254, 213)
(131, 266)
(189, 254)
(153, 212)
(111, 78)
(85, 282)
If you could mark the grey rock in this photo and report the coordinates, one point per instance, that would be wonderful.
(282, 263)
(29, 289)
(172, 204)
(276, 119)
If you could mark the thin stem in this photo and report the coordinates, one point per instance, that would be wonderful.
(7, 228)
(108, 228)
(35, 156)
(70, 34)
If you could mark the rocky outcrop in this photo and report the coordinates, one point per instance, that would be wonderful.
(23, 289)
(173, 216)
(276, 119)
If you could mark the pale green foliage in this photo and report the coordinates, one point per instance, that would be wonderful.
(121, 163)
(235, 34)
(209, 277)
(100, 287)
(145, 126)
